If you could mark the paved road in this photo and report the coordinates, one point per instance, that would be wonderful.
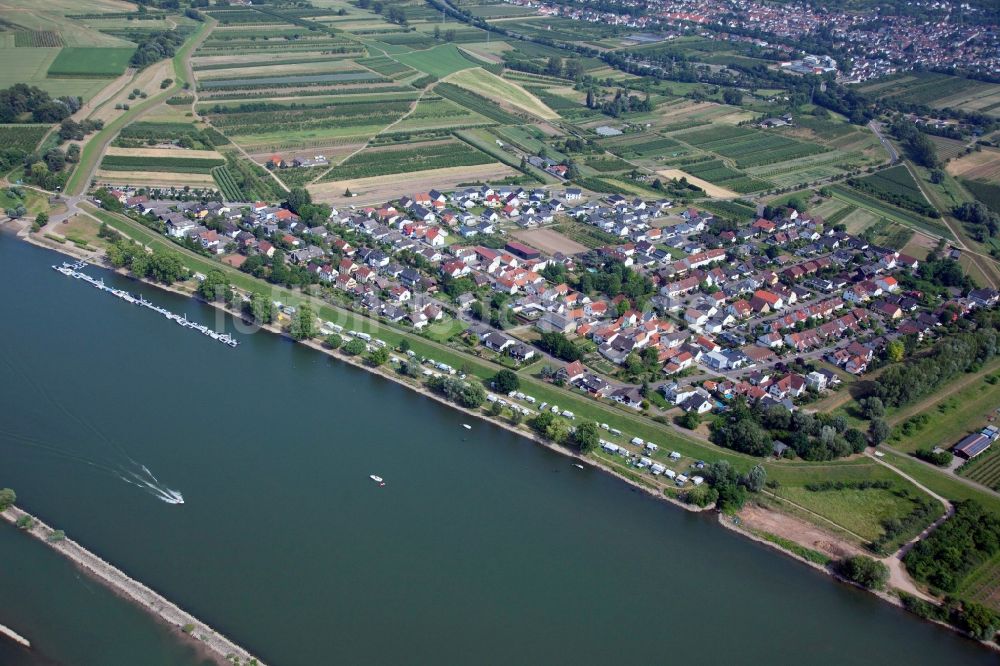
(876, 127)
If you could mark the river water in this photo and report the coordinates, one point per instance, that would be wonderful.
(482, 547)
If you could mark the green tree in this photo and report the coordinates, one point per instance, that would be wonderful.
(872, 408)
(879, 431)
(214, 286)
(496, 409)
(978, 620)
(298, 197)
(333, 341)
(587, 436)
(404, 345)
(25, 522)
(42, 219)
(262, 308)
(378, 356)
(7, 498)
(355, 347)
(865, 571)
(895, 351)
(755, 479)
(303, 324)
(557, 431)
(506, 381)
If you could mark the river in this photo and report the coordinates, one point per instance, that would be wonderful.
(482, 547)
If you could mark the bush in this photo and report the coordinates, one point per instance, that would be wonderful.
(506, 381)
(7, 499)
(939, 458)
(355, 347)
(865, 571)
(333, 341)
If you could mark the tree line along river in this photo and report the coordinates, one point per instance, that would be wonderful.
(481, 548)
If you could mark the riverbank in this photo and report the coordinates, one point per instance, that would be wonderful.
(213, 644)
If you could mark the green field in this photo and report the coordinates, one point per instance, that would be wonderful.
(88, 62)
(439, 61)
(171, 164)
(407, 159)
(890, 212)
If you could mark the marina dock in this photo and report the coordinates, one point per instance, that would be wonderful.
(73, 270)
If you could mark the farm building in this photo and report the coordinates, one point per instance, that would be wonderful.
(522, 250)
(972, 446)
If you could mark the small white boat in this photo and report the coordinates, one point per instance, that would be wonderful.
(377, 479)
(467, 426)
(578, 465)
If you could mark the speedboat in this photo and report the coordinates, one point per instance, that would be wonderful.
(377, 479)
(578, 465)
(467, 426)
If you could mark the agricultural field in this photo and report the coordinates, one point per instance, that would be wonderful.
(710, 189)
(439, 61)
(984, 469)
(407, 158)
(983, 165)
(502, 91)
(90, 62)
(947, 149)
(160, 162)
(896, 186)
(379, 189)
(476, 103)
(22, 137)
(37, 35)
(938, 91)
(983, 585)
(437, 113)
(571, 239)
(988, 193)
(889, 212)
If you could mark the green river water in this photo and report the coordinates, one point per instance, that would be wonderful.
(483, 547)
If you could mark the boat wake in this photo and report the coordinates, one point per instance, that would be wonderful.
(125, 468)
(153, 486)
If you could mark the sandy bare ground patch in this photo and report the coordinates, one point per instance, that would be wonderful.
(549, 241)
(164, 152)
(710, 189)
(984, 165)
(379, 189)
(799, 531)
(154, 178)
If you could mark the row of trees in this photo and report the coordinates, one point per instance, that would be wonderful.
(161, 265)
(21, 99)
(917, 145)
(155, 47)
